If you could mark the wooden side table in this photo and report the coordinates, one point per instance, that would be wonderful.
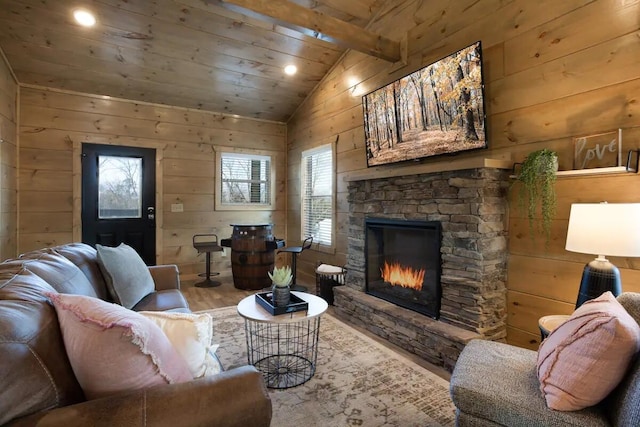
(284, 347)
(548, 324)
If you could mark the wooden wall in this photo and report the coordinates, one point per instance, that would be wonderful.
(8, 160)
(53, 125)
(553, 70)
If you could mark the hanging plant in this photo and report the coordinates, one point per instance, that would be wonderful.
(537, 192)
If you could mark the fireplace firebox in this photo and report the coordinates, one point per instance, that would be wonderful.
(403, 263)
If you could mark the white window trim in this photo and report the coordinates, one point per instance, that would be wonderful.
(219, 205)
(318, 245)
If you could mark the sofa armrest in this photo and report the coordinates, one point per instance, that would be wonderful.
(234, 398)
(165, 277)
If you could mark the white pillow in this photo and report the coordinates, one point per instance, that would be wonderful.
(191, 335)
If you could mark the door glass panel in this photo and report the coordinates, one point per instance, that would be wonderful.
(119, 184)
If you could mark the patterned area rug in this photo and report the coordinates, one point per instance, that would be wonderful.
(358, 382)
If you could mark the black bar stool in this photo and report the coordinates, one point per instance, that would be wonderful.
(207, 243)
(294, 251)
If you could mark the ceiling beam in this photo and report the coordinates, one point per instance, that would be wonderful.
(355, 8)
(319, 25)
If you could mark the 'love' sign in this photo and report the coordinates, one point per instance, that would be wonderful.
(597, 151)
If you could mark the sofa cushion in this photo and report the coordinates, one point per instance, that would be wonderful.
(191, 335)
(113, 349)
(585, 358)
(61, 274)
(498, 382)
(34, 369)
(86, 259)
(127, 276)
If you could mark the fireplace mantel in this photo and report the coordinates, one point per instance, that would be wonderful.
(414, 169)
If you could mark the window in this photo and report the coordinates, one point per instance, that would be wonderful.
(245, 181)
(317, 194)
(119, 184)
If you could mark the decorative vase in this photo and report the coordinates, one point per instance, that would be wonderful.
(281, 295)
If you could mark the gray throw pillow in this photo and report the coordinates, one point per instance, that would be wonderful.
(127, 276)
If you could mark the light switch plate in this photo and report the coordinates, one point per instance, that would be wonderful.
(177, 207)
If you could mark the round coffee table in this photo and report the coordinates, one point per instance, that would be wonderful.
(283, 347)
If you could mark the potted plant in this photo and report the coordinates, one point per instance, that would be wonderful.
(538, 177)
(281, 279)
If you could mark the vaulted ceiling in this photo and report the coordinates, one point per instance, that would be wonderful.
(223, 56)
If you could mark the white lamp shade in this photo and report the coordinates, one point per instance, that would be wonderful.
(610, 229)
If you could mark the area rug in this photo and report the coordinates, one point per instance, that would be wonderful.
(358, 381)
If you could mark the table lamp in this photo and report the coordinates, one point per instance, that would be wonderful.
(603, 229)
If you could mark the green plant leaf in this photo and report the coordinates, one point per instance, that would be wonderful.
(537, 192)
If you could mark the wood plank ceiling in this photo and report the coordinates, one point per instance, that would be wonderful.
(203, 54)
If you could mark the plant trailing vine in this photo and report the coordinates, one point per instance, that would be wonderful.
(538, 177)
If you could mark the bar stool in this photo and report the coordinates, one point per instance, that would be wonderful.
(207, 243)
(295, 251)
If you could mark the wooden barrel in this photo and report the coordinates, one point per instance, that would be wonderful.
(252, 256)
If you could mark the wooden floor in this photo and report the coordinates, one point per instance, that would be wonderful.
(207, 298)
(227, 295)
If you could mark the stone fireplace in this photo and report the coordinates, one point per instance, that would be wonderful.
(470, 206)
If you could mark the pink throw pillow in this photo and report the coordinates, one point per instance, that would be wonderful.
(585, 358)
(113, 349)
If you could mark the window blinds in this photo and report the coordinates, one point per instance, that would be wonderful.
(317, 194)
(246, 179)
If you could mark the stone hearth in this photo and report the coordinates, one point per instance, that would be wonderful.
(471, 206)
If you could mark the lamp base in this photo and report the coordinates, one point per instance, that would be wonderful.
(598, 277)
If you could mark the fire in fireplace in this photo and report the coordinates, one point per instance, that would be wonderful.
(402, 263)
(397, 275)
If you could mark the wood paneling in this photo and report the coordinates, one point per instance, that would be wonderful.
(186, 53)
(53, 124)
(8, 161)
(545, 80)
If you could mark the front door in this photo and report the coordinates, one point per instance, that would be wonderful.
(118, 197)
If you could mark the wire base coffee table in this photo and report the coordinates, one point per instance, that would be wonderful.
(284, 347)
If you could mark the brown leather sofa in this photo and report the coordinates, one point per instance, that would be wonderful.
(37, 384)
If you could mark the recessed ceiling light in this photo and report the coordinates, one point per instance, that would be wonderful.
(84, 17)
(290, 69)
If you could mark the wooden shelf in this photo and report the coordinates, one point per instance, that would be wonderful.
(596, 171)
(442, 166)
(615, 170)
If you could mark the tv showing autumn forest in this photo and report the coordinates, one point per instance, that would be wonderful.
(436, 110)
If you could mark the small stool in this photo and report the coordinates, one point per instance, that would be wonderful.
(328, 276)
(207, 243)
(294, 251)
(548, 324)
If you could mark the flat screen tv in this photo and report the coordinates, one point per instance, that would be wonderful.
(436, 110)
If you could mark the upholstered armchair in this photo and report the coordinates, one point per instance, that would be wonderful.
(496, 384)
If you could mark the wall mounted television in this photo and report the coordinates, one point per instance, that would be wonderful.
(436, 110)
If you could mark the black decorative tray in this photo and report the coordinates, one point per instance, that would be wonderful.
(295, 304)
